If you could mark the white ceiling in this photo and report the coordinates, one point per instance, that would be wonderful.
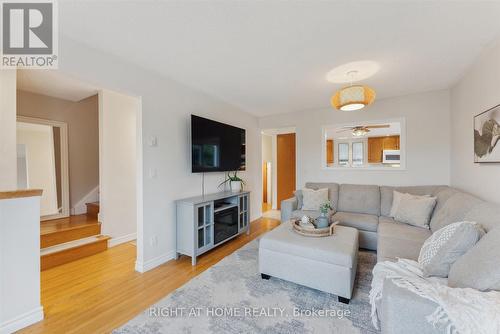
(55, 84)
(272, 56)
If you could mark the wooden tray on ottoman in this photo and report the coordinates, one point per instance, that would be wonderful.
(316, 232)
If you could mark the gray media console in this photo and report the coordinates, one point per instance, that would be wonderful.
(204, 222)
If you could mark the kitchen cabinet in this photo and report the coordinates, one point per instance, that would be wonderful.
(376, 146)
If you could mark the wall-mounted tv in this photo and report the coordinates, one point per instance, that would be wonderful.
(216, 147)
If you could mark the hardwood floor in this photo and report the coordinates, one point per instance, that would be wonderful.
(96, 294)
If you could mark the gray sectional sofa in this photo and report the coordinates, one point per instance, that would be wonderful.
(367, 207)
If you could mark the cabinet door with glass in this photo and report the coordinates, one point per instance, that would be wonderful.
(244, 212)
(204, 226)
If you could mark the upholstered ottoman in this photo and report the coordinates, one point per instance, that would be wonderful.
(325, 263)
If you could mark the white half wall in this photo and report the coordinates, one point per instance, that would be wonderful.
(427, 118)
(166, 109)
(8, 160)
(118, 114)
(19, 263)
(476, 92)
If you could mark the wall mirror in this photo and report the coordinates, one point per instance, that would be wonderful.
(365, 145)
(42, 163)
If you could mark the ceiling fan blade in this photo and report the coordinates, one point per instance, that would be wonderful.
(377, 126)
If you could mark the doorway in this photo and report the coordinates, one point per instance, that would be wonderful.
(278, 169)
(285, 167)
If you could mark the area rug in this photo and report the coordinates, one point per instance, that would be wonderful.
(231, 297)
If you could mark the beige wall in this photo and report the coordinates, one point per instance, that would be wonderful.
(427, 118)
(83, 136)
(476, 92)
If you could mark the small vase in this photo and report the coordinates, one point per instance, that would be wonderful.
(322, 220)
(235, 186)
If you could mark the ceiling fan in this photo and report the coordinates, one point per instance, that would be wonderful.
(361, 130)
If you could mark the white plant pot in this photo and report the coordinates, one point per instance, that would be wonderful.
(235, 186)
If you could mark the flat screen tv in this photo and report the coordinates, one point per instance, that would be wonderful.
(216, 147)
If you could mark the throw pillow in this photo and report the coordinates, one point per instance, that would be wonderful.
(312, 199)
(440, 251)
(478, 268)
(298, 196)
(415, 211)
(396, 199)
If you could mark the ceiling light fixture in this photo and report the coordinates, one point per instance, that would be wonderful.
(353, 97)
(359, 132)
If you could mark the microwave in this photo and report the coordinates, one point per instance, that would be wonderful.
(391, 157)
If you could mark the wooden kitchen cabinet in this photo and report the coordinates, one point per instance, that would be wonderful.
(329, 151)
(376, 146)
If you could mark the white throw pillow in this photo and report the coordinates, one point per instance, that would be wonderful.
(446, 245)
(312, 199)
(396, 199)
(415, 210)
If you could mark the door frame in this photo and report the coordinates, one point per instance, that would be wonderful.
(65, 211)
(274, 132)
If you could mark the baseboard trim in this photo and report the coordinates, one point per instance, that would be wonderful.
(120, 240)
(142, 267)
(21, 321)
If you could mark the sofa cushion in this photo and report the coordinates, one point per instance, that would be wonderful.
(313, 199)
(361, 221)
(398, 240)
(299, 197)
(333, 191)
(386, 193)
(478, 268)
(440, 251)
(454, 210)
(486, 214)
(415, 210)
(359, 199)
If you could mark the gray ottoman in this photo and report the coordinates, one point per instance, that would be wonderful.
(327, 263)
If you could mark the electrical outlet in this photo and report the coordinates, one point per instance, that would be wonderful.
(153, 173)
(153, 241)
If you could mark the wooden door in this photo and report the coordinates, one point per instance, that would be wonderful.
(285, 168)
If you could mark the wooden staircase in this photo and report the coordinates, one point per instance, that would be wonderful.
(72, 238)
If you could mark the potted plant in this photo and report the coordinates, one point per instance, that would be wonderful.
(323, 220)
(235, 182)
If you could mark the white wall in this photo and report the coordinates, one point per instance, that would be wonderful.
(166, 109)
(427, 140)
(476, 92)
(40, 163)
(8, 160)
(117, 165)
(19, 274)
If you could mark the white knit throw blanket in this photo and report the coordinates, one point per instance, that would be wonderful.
(459, 311)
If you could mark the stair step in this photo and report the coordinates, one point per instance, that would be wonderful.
(92, 209)
(58, 231)
(70, 251)
(70, 233)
